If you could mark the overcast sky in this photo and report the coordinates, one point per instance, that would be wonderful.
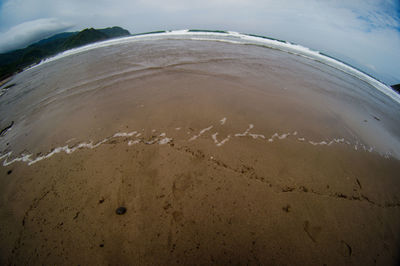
(364, 33)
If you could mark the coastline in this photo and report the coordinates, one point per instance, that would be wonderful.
(241, 38)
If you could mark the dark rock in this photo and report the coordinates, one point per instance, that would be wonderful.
(120, 210)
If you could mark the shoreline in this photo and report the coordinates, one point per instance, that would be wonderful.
(270, 43)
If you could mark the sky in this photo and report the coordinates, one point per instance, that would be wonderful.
(363, 33)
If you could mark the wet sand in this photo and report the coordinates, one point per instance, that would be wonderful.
(221, 153)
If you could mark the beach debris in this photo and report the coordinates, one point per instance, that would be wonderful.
(303, 188)
(76, 215)
(120, 210)
(359, 183)
(288, 189)
(348, 248)
(286, 208)
(4, 130)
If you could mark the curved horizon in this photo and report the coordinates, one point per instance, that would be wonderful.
(241, 38)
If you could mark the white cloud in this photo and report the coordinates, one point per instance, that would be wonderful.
(31, 31)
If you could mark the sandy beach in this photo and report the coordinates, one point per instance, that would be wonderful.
(221, 154)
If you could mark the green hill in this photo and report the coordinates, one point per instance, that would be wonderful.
(114, 32)
(17, 60)
(84, 37)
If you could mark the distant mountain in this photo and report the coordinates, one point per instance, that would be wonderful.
(84, 37)
(396, 88)
(114, 32)
(91, 35)
(16, 61)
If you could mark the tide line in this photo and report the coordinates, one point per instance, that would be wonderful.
(162, 139)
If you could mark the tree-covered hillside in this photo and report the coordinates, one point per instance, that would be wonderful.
(17, 60)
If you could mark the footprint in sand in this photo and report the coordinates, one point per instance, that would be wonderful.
(312, 231)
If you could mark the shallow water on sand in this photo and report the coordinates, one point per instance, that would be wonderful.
(183, 132)
(89, 96)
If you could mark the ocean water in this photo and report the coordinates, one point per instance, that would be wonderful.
(238, 38)
(81, 98)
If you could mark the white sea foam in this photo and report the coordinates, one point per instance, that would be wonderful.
(201, 133)
(222, 142)
(283, 136)
(70, 140)
(256, 136)
(24, 158)
(246, 132)
(133, 142)
(151, 141)
(223, 120)
(164, 141)
(28, 158)
(356, 146)
(8, 154)
(124, 134)
(214, 137)
(316, 143)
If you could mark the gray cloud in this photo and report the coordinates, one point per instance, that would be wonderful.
(365, 33)
(28, 32)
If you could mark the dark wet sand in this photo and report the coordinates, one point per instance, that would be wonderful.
(249, 200)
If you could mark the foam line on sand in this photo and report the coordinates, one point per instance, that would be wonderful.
(162, 139)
